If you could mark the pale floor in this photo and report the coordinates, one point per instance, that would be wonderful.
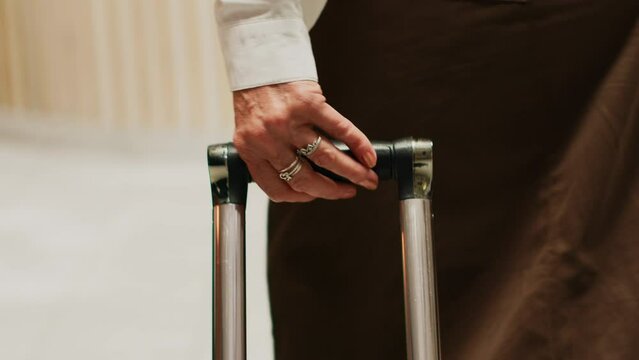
(105, 246)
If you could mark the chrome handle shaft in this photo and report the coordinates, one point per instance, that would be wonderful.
(420, 299)
(229, 299)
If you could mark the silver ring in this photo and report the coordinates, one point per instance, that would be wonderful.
(310, 148)
(290, 171)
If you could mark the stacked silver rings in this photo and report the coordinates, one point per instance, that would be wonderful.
(291, 170)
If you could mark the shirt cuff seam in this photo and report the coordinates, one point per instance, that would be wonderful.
(257, 21)
(274, 82)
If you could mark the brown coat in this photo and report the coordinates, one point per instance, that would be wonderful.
(534, 111)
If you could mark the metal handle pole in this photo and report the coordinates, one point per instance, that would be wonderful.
(229, 181)
(409, 161)
(229, 282)
(420, 299)
(414, 174)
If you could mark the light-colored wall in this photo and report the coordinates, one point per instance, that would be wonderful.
(105, 246)
(115, 63)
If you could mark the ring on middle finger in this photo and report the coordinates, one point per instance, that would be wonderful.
(310, 148)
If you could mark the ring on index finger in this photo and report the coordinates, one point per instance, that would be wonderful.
(310, 148)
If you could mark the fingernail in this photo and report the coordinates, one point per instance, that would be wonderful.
(350, 193)
(370, 158)
(369, 184)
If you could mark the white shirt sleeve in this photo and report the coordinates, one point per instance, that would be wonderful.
(264, 42)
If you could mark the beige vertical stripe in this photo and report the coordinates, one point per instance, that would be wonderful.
(152, 63)
(180, 61)
(104, 89)
(127, 58)
(116, 63)
(167, 85)
(206, 70)
(5, 77)
(14, 60)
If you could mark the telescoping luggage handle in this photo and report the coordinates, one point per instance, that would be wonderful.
(407, 161)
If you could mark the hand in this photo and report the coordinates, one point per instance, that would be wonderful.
(273, 121)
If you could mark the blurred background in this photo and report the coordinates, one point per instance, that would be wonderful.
(106, 108)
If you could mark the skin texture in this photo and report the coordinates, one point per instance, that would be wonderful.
(272, 121)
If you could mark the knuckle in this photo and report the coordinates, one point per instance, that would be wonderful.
(240, 142)
(344, 126)
(258, 133)
(351, 133)
(243, 134)
(282, 111)
(239, 135)
(306, 101)
(312, 99)
(324, 158)
(278, 120)
(245, 139)
(357, 141)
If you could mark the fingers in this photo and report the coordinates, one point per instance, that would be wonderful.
(269, 181)
(339, 127)
(330, 158)
(265, 159)
(307, 181)
(317, 185)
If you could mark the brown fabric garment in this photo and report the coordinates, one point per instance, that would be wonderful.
(534, 111)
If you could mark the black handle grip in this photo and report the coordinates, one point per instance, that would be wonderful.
(407, 160)
(383, 168)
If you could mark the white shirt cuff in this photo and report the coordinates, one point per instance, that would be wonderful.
(267, 52)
